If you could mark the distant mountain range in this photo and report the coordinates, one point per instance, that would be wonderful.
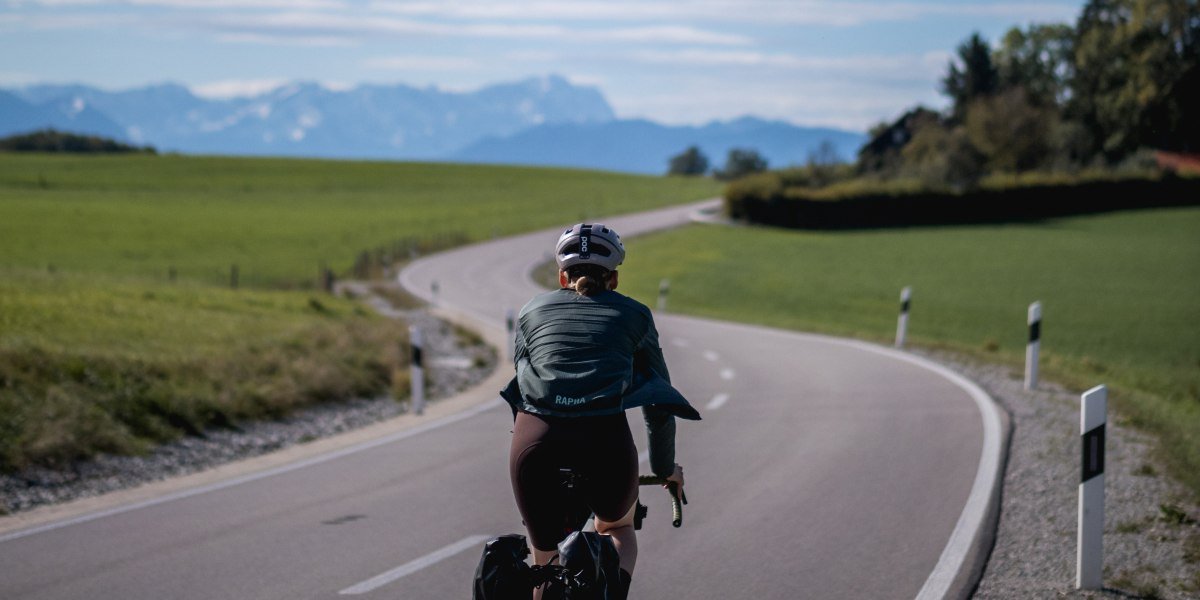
(646, 147)
(538, 121)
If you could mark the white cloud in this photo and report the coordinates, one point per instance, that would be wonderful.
(893, 66)
(333, 25)
(68, 21)
(17, 78)
(208, 4)
(798, 12)
(236, 88)
(285, 40)
(583, 79)
(421, 63)
(532, 56)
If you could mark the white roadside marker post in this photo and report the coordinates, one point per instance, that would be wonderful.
(1089, 565)
(664, 288)
(1031, 349)
(510, 325)
(418, 369)
(902, 322)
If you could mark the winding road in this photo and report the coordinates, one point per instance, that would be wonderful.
(823, 468)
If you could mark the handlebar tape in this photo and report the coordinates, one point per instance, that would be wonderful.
(677, 495)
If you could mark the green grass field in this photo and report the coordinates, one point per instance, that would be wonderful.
(279, 219)
(1120, 292)
(100, 352)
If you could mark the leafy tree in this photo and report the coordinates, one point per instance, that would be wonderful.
(741, 162)
(976, 78)
(942, 155)
(1038, 59)
(689, 162)
(1010, 131)
(1137, 77)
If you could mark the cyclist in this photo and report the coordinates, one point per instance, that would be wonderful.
(584, 354)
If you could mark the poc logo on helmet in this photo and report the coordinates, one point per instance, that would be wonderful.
(583, 244)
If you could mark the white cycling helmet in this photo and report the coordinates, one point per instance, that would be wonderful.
(589, 244)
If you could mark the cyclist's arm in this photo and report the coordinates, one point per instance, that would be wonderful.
(660, 424)
(649, 354)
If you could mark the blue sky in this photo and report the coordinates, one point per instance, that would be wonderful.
(810, 62)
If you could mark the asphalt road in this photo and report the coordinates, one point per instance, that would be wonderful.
(822, 468)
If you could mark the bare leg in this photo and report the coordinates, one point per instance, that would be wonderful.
(624, 537)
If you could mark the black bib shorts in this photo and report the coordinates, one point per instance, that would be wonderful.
(600, 449)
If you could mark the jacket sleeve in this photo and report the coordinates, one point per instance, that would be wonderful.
(649, 354)
(660, 424)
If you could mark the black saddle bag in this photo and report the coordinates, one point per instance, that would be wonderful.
(502, 573)
(591, 558)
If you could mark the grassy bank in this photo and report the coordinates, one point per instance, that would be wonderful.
(1121, 296)
(105, 364)
(99, 352)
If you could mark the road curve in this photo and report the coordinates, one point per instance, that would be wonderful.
(828, 467)
(823, 468)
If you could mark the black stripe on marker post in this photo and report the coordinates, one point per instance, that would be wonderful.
(1035, 331)
(1093, 453)
(416, 356)
(904, 306)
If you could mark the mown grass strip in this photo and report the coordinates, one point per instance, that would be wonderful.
(1121, 297)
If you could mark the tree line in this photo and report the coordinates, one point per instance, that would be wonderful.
(1121, 82)
(1124, 79)
(50, 140)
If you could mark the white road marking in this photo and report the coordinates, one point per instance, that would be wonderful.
(643, 456)
(718, 401)
(681, 342)
(411, 567)
(727, 374)
(451, 362)
(712, 356)
(228, 483)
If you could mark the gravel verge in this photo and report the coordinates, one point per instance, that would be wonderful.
(1151, 537)
(456, 361)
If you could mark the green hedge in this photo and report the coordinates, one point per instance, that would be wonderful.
(768, 199)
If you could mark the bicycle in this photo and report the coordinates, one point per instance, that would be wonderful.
(586, 561)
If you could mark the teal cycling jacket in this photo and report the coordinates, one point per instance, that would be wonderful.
(579, 356)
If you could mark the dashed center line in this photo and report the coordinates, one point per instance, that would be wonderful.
(681, 342)
(727, 374)
(712, 356)
(718, 401)
(409, 568)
